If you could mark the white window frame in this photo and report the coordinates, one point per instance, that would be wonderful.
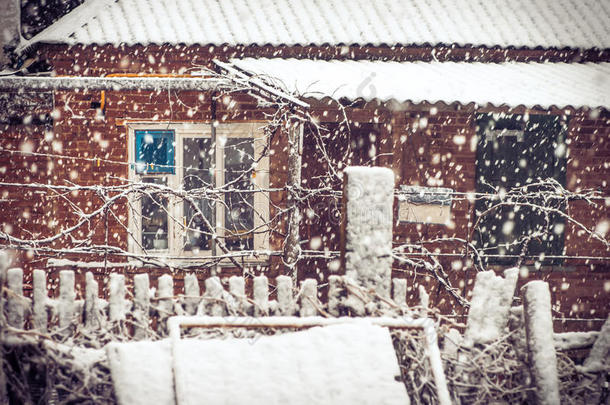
(176, 208)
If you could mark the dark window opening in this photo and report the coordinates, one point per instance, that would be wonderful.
(519, 151)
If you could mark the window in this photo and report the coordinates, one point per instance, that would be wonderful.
(199, 159)
(513, 151)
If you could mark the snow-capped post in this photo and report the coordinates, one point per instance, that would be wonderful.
(141, 312)
(492, 297)
(285, 300)
(366, 227)
(539, 335)
(67, 296)
(14, 303)
(292, 247)
(39, 297)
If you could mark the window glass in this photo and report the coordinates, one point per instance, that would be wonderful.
(154, 151)
(198, 171)
(238, 156)
(154, 217)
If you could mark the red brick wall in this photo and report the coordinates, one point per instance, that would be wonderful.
(422, 142)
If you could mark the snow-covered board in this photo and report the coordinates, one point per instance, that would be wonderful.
(340, 364)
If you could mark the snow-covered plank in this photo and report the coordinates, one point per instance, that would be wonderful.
(490, 305)
(539, 334)
(349, 364)
(15, 83)
(366, 234)
(142, 372)
(598, 359)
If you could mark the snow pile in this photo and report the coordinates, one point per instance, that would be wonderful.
(490, 305)
(368, 227)
(341, 364)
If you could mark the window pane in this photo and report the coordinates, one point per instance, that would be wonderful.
(154, 217)
(239, 212)
(198, 172)
(154, 151)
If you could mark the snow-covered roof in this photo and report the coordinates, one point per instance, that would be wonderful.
(511, 84)
(518, 23)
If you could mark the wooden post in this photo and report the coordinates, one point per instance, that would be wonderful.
(366, 228)
(141, 313)
(292, 248)
(66, 306)
(39, 305)
(539, 335)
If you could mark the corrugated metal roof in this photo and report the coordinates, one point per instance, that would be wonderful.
(518, 23)
(511, 84)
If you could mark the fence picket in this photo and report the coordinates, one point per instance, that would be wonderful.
(15, 301)
(308, 296)
(261, 296)
(39, 304)
(191, 290)
(67, 296)
(141, 313)
(285, 299)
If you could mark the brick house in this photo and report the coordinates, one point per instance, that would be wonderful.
(456, 98)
